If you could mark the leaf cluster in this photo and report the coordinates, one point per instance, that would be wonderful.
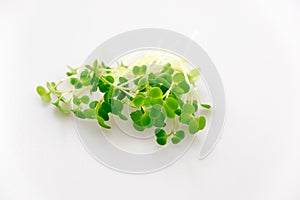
(153, 97)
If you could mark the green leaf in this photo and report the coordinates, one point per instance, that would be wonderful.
(110, 79)
(178, 78)
(136, 70)
(87, 81)
(177, 90)
(178, 111)
(84, 74)
(76, 100)
(178, 136)
(195, 104)
(136, 81)
(122, 80)
(94, 88)
(184, 86)
(188, 108)
(169, 112)
(164, 89)
(90, 113)
(136, 115)
(161, 141)
(193, 126)
(46, 97)
(162, 116)
(157, 116)
(151, 76)
(143, 82)
(145, 120)
(50, 87)
(157, 107)
(161, 136)
(154, 113)
(95, 64)
(104, 88)
(156, 101)
(107, 96)
(172, 103)
(93, 104)
(73, 81)
(85, 99)
(116, 93)
(138, 127)
(103, 114)
(69, 73)
(122, 95)
(159, 123)
(163, 82)
(56, 104)
(180, 102)
(78, 85)
(116, 106)
(106, 107)
(102, 123)
(155, 92)
(201, 122)
(147, 102)
(167, 77)
(193, 75)
(143, 69)
(41, 90)
(170, 71)
(123, 117)
(88, 67)
(207, 106)
(185, 118)
(72, 72)
(166, 68)
(79, 114)
(138, 100)
(139, 70)
(95, 79)
(44, 94)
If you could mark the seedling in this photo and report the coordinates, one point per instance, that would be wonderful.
(153, 96)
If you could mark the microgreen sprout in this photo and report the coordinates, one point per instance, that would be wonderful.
(153, 97)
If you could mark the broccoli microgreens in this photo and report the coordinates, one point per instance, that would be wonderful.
(152, 95)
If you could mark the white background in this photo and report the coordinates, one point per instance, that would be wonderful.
(255, 46)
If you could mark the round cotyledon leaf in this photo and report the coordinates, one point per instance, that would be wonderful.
(201, 122)
(188, 109)
(178, 78)
(172, 103)
(44, 94)
(155, 92)
(193, 126)
(161, 136)
(178, 136)
(184, 86)
(116, 106)
(146, 119)
(138, 100)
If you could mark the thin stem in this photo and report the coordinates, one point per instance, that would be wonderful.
(186, 77)
(131, 80)
(120, 88)
(197, 94)
(168, 91)
(98, 104)
(64, 79)
(174, 123)
(64, 92)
